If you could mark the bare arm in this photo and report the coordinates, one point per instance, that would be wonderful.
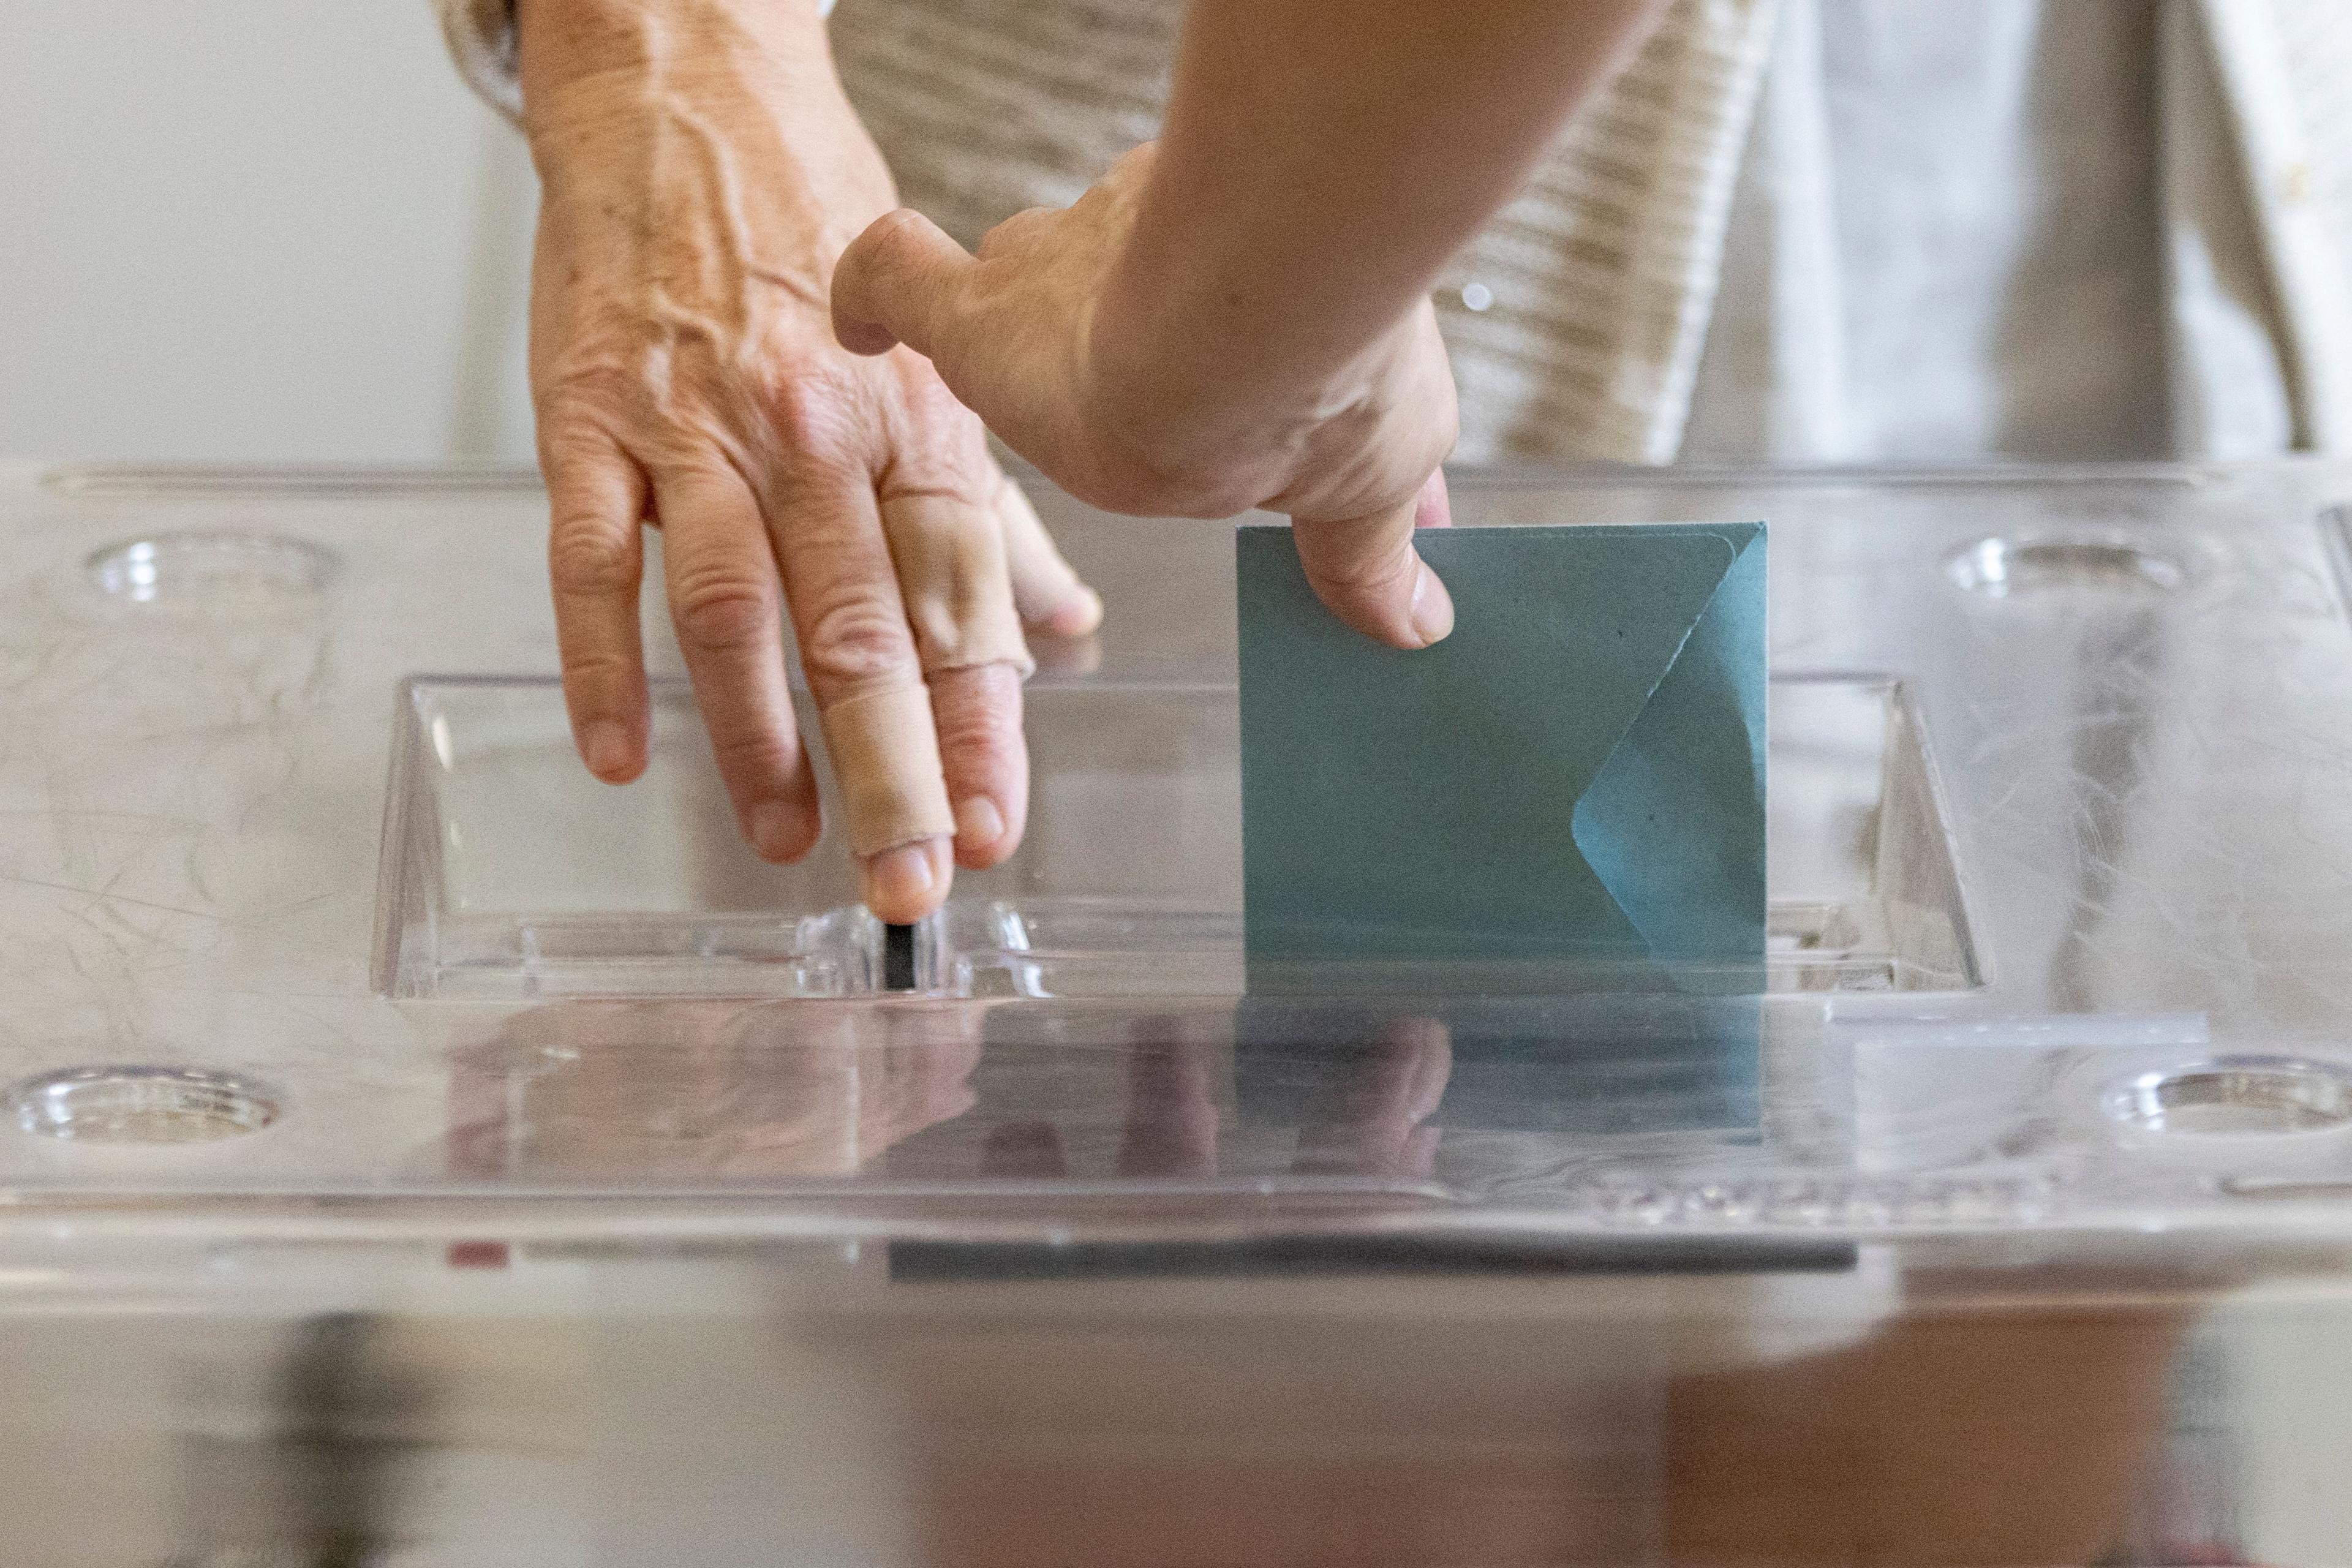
(1237, 316)
(1320, 166)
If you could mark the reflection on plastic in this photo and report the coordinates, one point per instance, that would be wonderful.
(1323, 1098)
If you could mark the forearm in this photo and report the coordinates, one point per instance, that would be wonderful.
(565, 41)
(1318, 170)
(737, 97)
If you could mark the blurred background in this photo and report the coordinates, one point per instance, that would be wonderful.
(279, 232)
(273, 231)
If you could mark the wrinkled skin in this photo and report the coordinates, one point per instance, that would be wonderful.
(702, 172)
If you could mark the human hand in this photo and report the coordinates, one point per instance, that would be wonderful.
(701, 173)
(1051, 334)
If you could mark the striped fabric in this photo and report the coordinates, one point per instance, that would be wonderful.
(1594, 288)
(1598, 281)
(1595, 284)
(985, 107)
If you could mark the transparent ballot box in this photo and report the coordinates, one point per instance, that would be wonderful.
(316, 925)
(417, 1152)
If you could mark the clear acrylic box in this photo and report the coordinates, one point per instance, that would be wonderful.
(509, 874)
(308, 940)
(544, 1181)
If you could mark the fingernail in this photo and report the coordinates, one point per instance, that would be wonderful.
(1433, 607)
(776, 830)
(898, 877)
(606, 744)
(978, 823)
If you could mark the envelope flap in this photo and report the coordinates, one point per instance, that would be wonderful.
(1421, 805)
(1674, 823)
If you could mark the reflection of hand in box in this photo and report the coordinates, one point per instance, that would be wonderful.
(1376, 1126)
(720, 1090)
(1372, 1125)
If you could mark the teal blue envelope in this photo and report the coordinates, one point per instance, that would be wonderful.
(1577, 773)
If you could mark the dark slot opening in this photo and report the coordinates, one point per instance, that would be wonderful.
(897, 958)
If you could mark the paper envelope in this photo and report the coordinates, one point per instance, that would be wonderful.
(1578, 771)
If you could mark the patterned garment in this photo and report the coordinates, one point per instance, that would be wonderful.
(1597, 281)
(1577, 320)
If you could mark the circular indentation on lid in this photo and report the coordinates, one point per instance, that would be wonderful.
(211, 568)
(2235, 1096)
(140, 1105)
(2006, 568)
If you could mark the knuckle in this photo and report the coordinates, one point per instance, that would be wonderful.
(750, 755)
(591, 562)
(854, 642)
(819, 414)
(576, 416)
(982, 727)
(595, 672)
(940, 447)
(943, 420)
(1008, 234)
(722, 610)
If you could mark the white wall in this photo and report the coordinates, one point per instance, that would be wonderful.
(254, 231)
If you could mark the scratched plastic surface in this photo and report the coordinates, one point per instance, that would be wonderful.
(2062, 837)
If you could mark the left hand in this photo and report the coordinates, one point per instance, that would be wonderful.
(1056, 345)
(701, 170)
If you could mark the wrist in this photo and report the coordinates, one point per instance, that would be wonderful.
(564, 47)
(643, 110)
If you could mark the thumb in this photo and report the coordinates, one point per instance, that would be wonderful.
(1367, 572)
(894, 283)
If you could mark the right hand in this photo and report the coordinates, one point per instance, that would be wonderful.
(1069, 345)
(702, 172)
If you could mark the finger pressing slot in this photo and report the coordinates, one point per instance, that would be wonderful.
(886, 755)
